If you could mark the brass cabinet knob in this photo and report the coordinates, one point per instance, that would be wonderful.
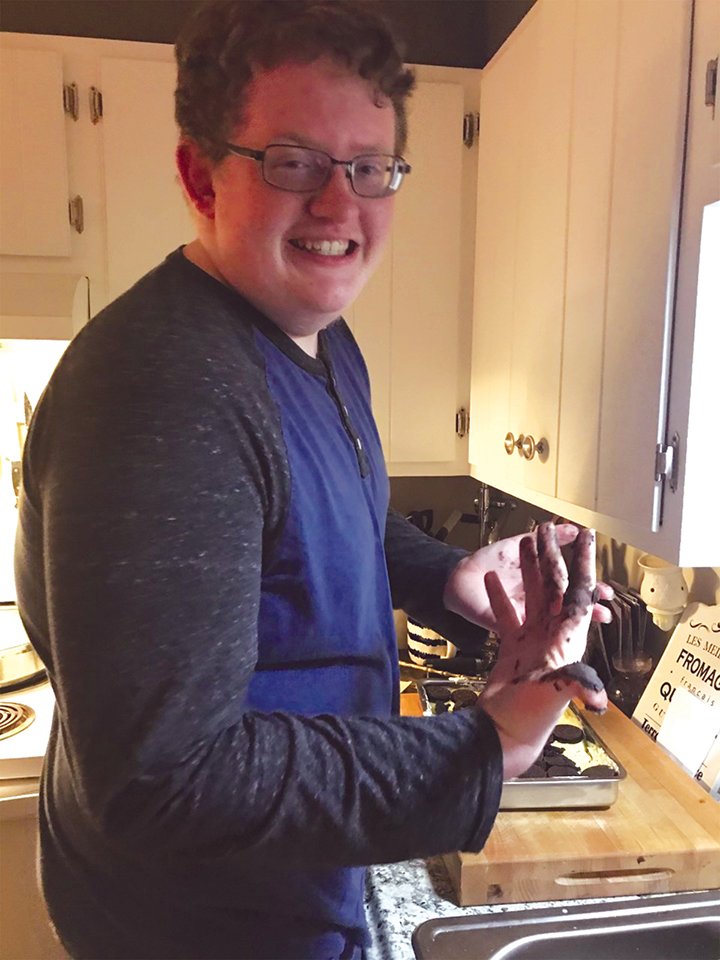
(529, 447)
(509, 444)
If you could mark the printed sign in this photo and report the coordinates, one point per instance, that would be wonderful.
(681, 704)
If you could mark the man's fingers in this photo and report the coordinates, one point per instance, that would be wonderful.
(601, 614)
(603, 591)
(532, 578)
(552, 567)
(566, 533)
(505, 615)
(579, 595)
(579, 680)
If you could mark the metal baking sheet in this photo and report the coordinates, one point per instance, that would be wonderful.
(576, 791)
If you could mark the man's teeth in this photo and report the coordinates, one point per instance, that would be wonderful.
(328, 248)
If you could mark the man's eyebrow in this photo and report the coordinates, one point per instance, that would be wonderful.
(296, 139)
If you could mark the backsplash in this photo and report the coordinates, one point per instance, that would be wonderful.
(619, 561)
(616, 561)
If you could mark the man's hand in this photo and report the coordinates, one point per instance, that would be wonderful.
(466, 594)
(538, 669)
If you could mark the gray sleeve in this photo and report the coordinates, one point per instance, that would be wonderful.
(141, 588)
(418, 567)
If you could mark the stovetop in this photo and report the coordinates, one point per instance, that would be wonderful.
(22, 748)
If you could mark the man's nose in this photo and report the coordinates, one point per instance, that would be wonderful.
(335, 197)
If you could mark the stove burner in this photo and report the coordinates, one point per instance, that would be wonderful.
(14, 717)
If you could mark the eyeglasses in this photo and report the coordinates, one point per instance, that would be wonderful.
(302, 170)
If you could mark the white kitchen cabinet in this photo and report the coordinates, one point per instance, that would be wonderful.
(34, 189)
(413, 319)
(625, 368)
(413, 322)
(520, 253)
(497, 202)
(408, 321)
(115, 233)
(147, 215)
(645, 182)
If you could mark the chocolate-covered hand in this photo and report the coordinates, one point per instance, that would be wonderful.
(539, 668)
(465, 591)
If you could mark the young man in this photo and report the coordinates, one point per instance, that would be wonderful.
(206, 560)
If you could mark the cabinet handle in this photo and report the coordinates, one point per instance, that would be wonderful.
(462, 422)
(711, 83)
(76, 214)
(511, 444)
(71, 100)
(96, 105)
(528, 446)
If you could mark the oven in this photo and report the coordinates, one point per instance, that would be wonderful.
(26, 711)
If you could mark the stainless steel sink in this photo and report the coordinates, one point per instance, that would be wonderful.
(677, 926)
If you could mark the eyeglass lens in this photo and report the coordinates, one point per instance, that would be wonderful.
(302, 169)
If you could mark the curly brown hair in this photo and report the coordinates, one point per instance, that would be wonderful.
(225, 41)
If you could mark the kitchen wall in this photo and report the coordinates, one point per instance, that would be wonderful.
(25, 368)
(616, 561)
(619, 561)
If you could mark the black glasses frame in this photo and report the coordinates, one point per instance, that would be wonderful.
(400, 168)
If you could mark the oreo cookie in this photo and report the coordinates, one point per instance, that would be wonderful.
(462, 697)
(563, 770)
(601, 771)
(535, 772)
(438, 694)
(568, 733)
(562, 761)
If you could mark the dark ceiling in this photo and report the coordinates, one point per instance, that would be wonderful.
(451, 33)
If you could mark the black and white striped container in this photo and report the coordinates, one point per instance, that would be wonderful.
(424, 644)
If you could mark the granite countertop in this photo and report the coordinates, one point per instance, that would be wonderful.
(399, 896)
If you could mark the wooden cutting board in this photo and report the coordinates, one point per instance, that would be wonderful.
(661, 835)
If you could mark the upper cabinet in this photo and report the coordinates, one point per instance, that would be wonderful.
(598, 160)
(520, 252)
(71, 157)
(413, 319)
(147, 215)
(34, 189)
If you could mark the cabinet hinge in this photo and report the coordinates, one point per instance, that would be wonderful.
(71, 100)
(711, 78)
(96, 105)
(471, 128)
(76, 214)
(667, 461)
(462, 422)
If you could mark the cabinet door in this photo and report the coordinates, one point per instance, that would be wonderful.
(496, 244)
(629, 95)
(407, 320)
(541, 242)
(646, 179)
(589, 192)
(33, 155)
(147, 216)
(426, 280)
(521, 223)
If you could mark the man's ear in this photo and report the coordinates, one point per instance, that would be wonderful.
(195, 171)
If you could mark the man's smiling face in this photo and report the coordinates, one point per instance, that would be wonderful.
(301, 258)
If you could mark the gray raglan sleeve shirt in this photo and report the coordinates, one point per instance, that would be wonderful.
(139, 584)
